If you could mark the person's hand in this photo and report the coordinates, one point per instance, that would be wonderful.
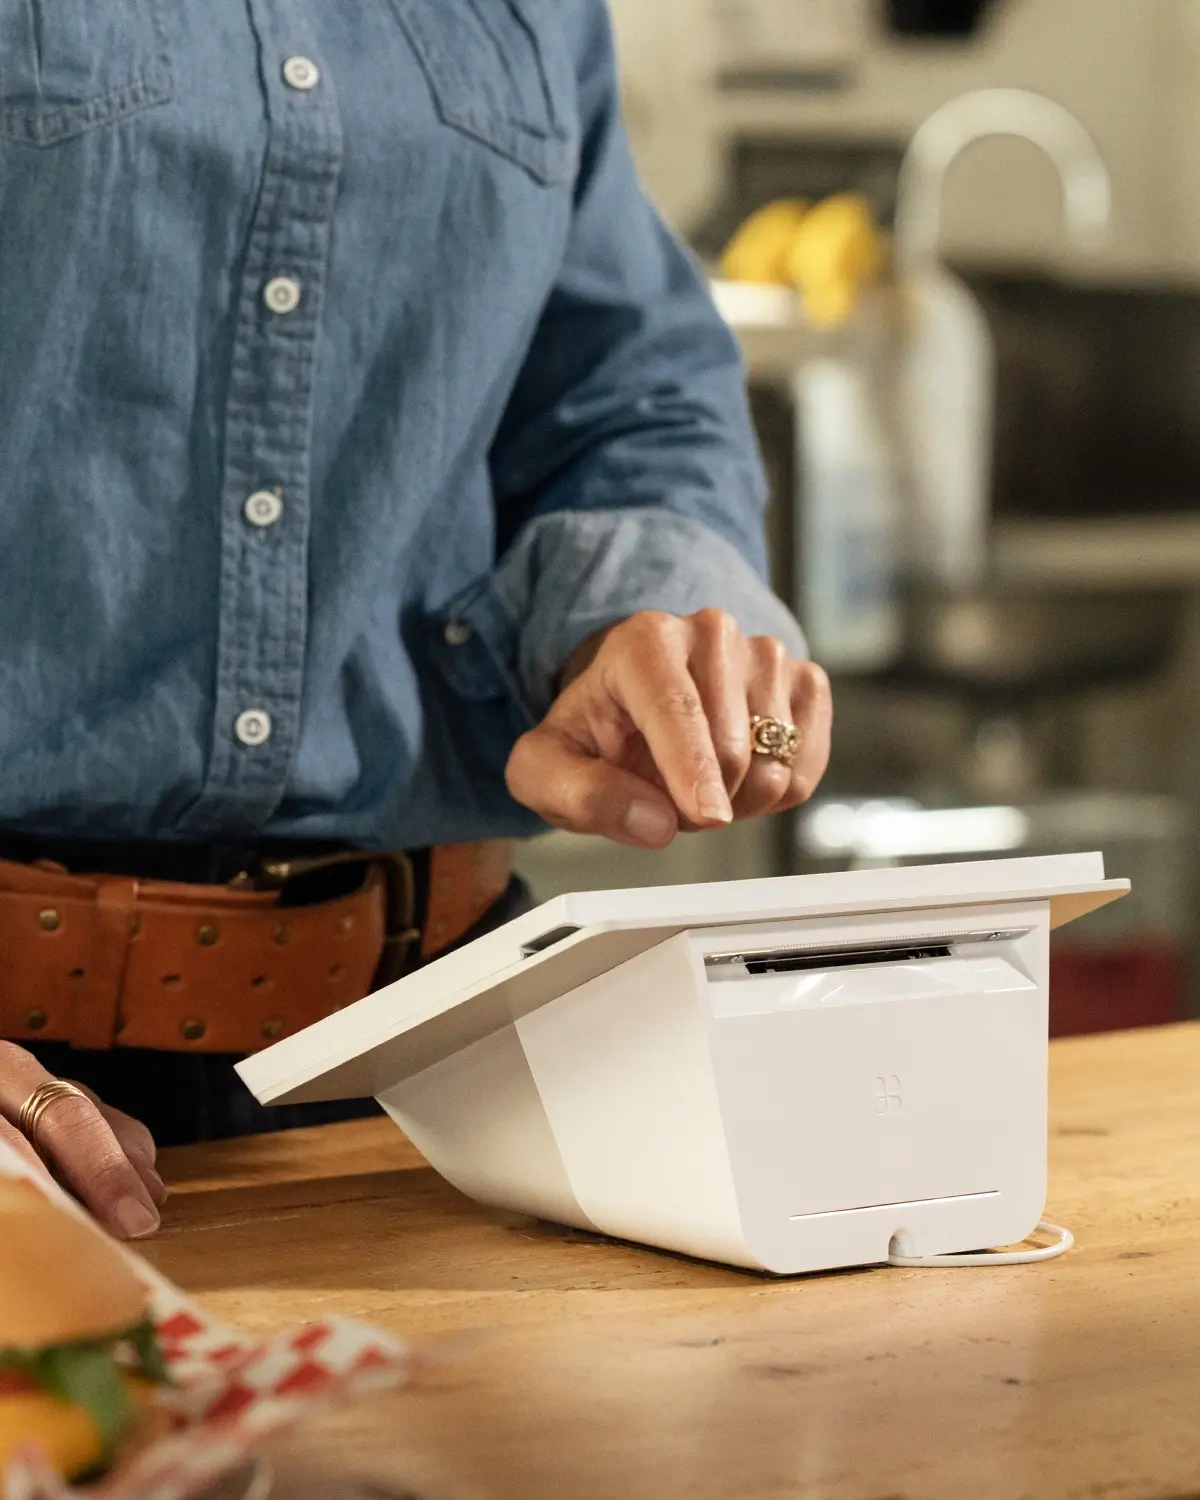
(103, 1156)
(651, 732)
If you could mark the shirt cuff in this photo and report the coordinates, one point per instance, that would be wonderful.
(572, 573)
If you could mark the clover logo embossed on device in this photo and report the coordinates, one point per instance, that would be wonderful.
(888, 1098)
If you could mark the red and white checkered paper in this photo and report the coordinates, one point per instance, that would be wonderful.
(229, 1391)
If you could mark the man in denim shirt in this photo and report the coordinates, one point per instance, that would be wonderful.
(375, 475)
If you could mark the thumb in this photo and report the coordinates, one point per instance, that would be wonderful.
(554, 776)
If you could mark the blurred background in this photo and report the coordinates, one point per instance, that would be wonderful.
(959, 242)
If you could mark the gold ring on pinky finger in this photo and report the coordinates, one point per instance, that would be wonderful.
(774, 737)
(43, 1097)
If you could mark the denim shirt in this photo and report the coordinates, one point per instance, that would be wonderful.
(347, 383)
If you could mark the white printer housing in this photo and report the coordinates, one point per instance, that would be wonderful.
(789, 1075)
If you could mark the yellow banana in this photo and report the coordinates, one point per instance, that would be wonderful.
(759, 249)
(832, 255)
(828, 252)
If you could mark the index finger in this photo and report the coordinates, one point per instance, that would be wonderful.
(79, 1146)
(654, 685)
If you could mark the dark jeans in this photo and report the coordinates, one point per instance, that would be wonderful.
(186, 1097)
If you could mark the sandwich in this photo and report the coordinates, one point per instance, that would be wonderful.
(79, 1363)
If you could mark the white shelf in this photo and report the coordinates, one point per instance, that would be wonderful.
(1143, 552)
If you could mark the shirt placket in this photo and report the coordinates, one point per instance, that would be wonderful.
(266, 499)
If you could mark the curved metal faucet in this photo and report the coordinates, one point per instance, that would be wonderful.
(1087, 188)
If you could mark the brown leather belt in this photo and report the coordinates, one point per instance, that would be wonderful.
(109, 961)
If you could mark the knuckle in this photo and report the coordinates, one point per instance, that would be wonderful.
(780, 775)
(773, 776)
(683, 703)
(801, 790)
(648, 628)
(516, 770)
(141, 1138)
(769, 651)
(733, 752)
(656, 621)
(732, 756)
(134, 1137)
(717, 622)
(10, 1053)
(112, 1177)
(817, 679)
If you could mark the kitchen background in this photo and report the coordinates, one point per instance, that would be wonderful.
(971, 321)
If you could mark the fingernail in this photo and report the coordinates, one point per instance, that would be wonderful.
(713, 802)
(649, 823)
(158, 1188)
(134, 1219)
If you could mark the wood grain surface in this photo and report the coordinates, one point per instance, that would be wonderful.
(606, 1370)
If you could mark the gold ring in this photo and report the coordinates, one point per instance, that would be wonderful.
(774, 737)
(43, 1097)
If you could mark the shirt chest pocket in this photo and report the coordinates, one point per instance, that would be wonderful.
(68, 66)
(500, 72)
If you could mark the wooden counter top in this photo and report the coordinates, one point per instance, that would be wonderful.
(616, 1372)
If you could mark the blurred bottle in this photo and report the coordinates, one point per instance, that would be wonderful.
(846, 515)
(945, 400)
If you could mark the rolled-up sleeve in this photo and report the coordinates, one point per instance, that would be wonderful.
(625, 471)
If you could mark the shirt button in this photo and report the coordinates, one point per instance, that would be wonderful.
(301, 73)
(282, 294)
(253, 727)
(457, 633)
(263, 508)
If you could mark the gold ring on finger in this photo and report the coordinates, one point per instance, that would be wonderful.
(44, 1097)
(774, 737)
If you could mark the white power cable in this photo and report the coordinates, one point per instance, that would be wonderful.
(1063, 1241)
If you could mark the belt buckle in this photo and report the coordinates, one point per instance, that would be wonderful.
(401, 934)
